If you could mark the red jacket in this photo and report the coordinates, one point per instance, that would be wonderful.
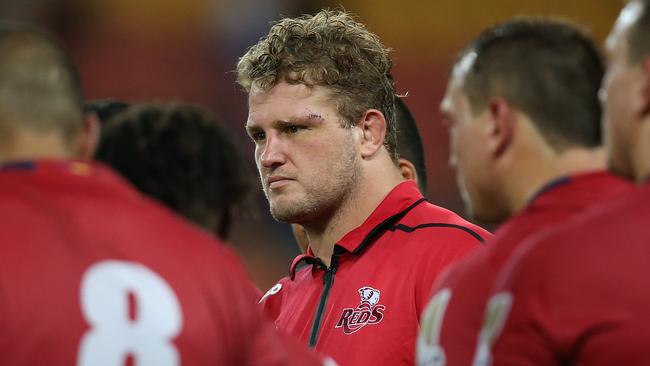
(579, 294)
(91, 273)
(454, 317)
(364, 308)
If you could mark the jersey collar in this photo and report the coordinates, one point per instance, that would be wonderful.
(399, 201)
(573, 185)
(395, 205)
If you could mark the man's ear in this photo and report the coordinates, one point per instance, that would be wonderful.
(89, 137)
(373, 127)
(407, 169)
(500, 127)
(645, 65)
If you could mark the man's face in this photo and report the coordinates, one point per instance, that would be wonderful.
(468, 153)
(621, 94)
(307, 161)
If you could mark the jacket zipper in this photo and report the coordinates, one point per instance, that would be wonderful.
(328, 281)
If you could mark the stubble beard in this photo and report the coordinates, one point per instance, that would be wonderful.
(322, 200)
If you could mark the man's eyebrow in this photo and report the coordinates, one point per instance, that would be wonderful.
(251, 127)
(308, 117)
(281, 123)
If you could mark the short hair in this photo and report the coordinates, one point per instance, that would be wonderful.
(409, 142)
(40, 88)
(105, 109)
(638, 37)
(548, 68)
(181, 156)
(328, 49)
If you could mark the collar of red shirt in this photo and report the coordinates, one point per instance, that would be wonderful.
(394, 206)
(54, 166)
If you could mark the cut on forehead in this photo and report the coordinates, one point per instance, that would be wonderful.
(294, 99)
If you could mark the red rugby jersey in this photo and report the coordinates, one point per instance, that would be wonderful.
(91, 273)
(577, 295)
(364, 308)
(453, 318)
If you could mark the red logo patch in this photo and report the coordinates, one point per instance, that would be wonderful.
(368, 312)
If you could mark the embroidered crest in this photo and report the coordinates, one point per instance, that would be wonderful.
(368, 312)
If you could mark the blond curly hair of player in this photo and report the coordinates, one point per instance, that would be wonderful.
(327, 49)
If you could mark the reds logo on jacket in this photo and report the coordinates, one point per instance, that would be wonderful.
(367, 313)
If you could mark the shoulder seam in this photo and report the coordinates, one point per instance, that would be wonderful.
(410, 229)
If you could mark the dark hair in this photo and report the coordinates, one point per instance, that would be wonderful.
(547, 68)
(181, 156)
(105, 109)
(409, 142)
(329, 49)
(638, 37)
(40, 88)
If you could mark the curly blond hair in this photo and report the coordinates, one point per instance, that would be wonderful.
(328, 49)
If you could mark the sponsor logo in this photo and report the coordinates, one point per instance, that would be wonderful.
(274, 290)
(368, 312)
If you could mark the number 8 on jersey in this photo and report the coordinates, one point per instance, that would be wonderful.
(143, 328)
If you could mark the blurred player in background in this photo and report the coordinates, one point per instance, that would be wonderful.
(96, 113)
(181, 156)
(578, 295)
(524, 118)
(105, 109)
(411, 162)
(92, 273)
(322, 116)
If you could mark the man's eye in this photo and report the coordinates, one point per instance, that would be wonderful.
(258, 136)
(293, 129)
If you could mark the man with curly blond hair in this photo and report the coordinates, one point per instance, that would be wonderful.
(322, 116)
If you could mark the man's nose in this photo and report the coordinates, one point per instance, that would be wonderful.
(273, 153)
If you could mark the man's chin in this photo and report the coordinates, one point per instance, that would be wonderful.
(485, 215)
(285, 214)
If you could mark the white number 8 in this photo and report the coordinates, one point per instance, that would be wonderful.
(143, 331)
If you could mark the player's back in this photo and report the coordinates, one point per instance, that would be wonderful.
(91, 273)
(579, 294)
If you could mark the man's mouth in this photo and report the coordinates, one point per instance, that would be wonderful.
(277, 181)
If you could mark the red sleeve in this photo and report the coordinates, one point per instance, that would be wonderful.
(442, 251)
(257, 342)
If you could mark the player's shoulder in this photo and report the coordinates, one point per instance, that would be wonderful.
(280, 286)
(606, 222)
(271, 302)
(431, 221)
(589, 237)
(466, 271)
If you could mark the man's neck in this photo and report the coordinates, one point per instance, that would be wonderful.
(28, 145)
(640, 148)
(372, 188)
(530, 177)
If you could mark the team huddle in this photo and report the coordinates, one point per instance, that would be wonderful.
(115, 216)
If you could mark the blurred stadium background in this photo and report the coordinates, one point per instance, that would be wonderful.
(185, 50)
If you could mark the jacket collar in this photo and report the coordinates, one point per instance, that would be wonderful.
(392, 208)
